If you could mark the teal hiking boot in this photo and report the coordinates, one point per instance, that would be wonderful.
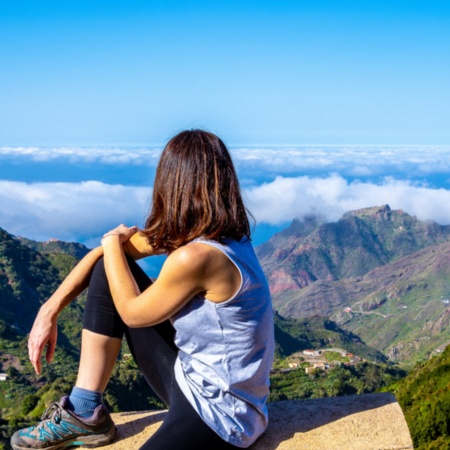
(60, 428)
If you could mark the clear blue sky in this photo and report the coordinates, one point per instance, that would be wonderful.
(256, 72)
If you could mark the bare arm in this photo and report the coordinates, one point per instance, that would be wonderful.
(189, 270)
(137, 246)
(44, 331)
(179, 280)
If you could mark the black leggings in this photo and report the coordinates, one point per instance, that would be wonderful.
(155, 353)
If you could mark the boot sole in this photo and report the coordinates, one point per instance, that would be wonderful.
(87, 441)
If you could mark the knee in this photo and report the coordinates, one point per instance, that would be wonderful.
(99, 271)
(101, 263)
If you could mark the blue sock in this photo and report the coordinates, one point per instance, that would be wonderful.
(84, 401)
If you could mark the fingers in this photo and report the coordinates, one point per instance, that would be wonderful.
(36, 344)
(51, 346)
(37, 366)
(34, 354)
(122, 231)
(127, 231)
(132, 230)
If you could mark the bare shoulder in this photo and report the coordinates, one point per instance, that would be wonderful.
(206, 268)
(198, 256)
(216, 273)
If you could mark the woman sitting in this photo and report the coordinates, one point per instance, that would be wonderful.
(202, 333)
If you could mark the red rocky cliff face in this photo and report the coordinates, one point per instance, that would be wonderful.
(354, 245)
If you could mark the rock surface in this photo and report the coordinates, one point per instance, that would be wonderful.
(359, 422)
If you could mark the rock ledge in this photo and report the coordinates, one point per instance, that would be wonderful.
(358, 422)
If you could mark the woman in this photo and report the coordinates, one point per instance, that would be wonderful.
(202, 333)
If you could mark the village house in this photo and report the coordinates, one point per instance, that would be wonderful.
(320, 365)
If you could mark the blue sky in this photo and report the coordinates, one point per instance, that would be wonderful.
(256, 72)
(327, 106)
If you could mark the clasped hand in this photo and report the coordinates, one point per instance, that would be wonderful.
(122, 231)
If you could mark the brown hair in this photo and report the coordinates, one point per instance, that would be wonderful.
(196, 194)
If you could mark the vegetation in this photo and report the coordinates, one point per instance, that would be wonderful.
(424, 396)
(341, 380)
(293, 335)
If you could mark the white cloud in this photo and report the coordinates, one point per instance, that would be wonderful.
(356, 160)
(69, 211)
(83, 211)
(352, 160)
(285, 198)
(121, 156)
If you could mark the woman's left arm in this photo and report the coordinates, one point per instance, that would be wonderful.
(183, 275)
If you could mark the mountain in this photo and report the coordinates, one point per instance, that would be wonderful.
(378, 273)
(27, 278)
(360, 241)
(55, 246)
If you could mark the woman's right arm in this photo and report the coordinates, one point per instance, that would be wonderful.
(44, 331)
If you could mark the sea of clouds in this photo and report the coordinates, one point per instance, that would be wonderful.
(279, 184)
(354, 160)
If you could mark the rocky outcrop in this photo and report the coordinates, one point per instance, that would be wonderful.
(364, 422)
(362, 240)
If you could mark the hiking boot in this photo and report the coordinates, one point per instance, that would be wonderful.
(60, 428)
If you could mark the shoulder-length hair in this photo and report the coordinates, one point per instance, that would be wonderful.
(196, 194)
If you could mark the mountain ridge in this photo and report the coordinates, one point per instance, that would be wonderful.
(55, 246)
(373, 236)
(390, 262)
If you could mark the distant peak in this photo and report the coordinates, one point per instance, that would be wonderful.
(309, 220)
(373, 211)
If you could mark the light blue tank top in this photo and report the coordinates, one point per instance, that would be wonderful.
(226, 351)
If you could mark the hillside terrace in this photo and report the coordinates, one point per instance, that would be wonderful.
(311, 360)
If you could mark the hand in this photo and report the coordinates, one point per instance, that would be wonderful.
(122, 231)
(138, 246)
(44, 333)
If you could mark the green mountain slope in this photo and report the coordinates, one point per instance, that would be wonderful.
(424, 396)
(294, 335)
(27, 278)
(402, 308)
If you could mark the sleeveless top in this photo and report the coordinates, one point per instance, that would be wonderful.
(226, 351)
